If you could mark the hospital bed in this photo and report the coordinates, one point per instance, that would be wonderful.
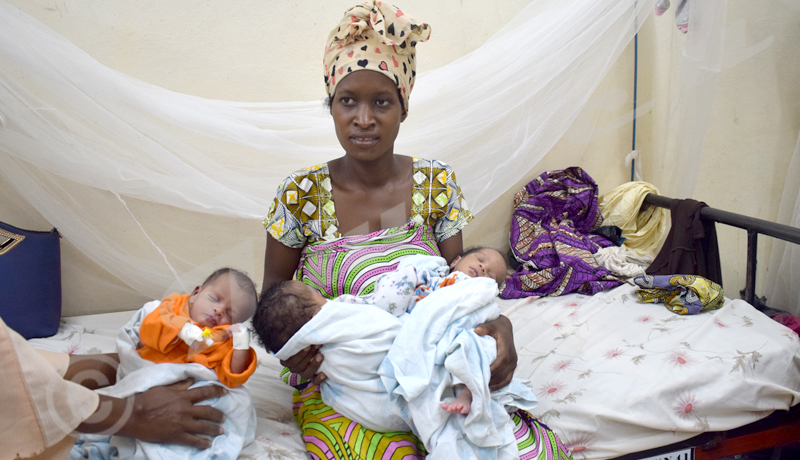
(615, 378)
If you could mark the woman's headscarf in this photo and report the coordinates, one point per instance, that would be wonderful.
(375, 36)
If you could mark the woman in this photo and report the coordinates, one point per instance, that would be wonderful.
(386, 206)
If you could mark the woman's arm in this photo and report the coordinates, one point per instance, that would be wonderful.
(93, 371)
(280, 262)
(451, 247)
(160, 414)
(163, 414)
(503, 367)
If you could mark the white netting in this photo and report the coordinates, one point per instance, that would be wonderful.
(159, 187)
(782, 289)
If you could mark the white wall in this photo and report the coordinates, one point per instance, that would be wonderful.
(270, 51)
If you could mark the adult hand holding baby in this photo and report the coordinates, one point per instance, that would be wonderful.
(503, 367)
(169, 414)
(306, 363)
(163, 414)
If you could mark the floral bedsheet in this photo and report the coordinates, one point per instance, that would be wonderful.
(615, 376)
(612, 375)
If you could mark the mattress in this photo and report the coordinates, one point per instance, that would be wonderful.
(612, 375)
(615, 376)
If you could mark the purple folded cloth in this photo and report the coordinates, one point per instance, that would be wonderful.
(550, 235)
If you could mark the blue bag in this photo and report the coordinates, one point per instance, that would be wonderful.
(30, 281)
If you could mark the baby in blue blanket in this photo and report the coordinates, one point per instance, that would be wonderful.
(288, 306)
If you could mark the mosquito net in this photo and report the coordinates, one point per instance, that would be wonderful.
(159, 188)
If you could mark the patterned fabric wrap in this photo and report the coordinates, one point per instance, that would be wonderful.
(303, 211)
(375, 36)
(330, 435)
(353, 264)
(550, 227)
(682, 294)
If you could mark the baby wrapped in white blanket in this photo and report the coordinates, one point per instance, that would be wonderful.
(183, 352)
(392, 373)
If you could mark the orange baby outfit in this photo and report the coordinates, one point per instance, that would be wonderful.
(160, 342)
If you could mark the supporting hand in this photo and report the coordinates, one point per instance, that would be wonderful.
(503, 367)
(306, 363)
(166, 414)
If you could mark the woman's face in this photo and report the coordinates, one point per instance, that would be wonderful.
(367, 113)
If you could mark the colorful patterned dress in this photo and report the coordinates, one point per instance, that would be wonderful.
(303, 215)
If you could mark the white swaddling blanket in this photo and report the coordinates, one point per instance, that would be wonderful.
(136, 374)
(392, 374)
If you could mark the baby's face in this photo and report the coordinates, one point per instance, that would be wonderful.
(486, 263)
(220, 303)
(308, 294)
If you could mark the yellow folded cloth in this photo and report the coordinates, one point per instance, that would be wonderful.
(644, 231)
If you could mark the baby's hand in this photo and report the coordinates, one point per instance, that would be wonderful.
(241, 336)
(191, 334)
(238, 327)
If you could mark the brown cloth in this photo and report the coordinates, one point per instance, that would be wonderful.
(691, 245)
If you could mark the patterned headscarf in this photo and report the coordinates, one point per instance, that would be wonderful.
(375, 36)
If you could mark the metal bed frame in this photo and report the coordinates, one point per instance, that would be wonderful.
(780, 428)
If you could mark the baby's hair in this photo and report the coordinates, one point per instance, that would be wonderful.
(280, 314)
(242, 280)
(475, 249)
(471, 250)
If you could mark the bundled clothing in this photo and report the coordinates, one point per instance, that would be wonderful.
(683, 294)
(160, 342)
(551, 235)
(643, 227)
(621, 262)
(691, 245)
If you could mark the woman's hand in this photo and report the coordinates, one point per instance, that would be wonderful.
(162, 414)
(503, 367)
(306, 363)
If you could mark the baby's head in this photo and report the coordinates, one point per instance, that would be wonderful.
(226, 297)
(483, 262)
(283, 310)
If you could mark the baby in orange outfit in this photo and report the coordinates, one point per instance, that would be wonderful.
(205, 327)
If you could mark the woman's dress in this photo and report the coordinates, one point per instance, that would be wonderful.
(303, 215)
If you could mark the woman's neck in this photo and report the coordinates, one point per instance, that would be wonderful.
(368, 174)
